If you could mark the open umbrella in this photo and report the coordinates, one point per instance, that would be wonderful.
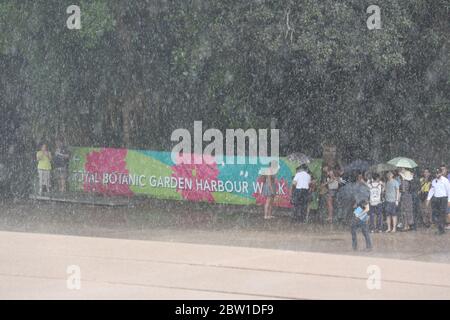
(402, 162)
(299, 158)
(382, 167)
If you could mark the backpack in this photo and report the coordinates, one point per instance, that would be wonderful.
(375, 193)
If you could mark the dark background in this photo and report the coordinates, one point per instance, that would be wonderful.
(137, 70)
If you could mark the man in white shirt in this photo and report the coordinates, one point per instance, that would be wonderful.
(440, 193)
(299, 193)
(446, 174)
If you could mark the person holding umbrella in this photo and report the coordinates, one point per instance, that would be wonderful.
(405, 178)
(406, 199)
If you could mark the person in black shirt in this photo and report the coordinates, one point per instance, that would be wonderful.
(61, 164)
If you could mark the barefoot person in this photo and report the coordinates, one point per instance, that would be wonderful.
(44, 159)
(269, 188)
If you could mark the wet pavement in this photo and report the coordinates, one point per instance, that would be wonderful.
(43, 266)
(172, 221)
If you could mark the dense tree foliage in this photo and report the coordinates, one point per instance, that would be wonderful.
(137, 70)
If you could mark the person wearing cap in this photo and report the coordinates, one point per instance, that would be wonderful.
(440, 193)
(406, 200)
(299, 193)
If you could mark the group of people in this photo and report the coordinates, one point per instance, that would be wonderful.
(374, 202)
(399, 194)
(48, 163)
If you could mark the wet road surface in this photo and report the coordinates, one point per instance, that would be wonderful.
(171, 250)
(38, 266)
(214, 225)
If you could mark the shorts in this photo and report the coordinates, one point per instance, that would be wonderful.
(391, 209)
(332, 193)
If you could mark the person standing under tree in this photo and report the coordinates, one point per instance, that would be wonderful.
(44, 159)
(445, 173)
(360, 218)
(376, 208)
(299, 193)
(406, 199)
(392, 197)
(269, 188)
(425, 185)
(333, 186)
(61, 164)
(440, 193)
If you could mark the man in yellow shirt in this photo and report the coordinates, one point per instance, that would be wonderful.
(425, 185)
(44, 159)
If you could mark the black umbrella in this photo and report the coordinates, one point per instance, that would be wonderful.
(299, 158)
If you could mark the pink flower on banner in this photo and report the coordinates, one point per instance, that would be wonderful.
(106, 161)
(283, 198)
(281, 188)
(201, 176)
(260, 199)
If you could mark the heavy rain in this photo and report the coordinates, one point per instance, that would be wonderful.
(110, 188)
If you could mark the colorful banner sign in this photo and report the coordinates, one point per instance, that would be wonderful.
(127, 172)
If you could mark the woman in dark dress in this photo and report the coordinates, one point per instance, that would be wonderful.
(406, 199)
